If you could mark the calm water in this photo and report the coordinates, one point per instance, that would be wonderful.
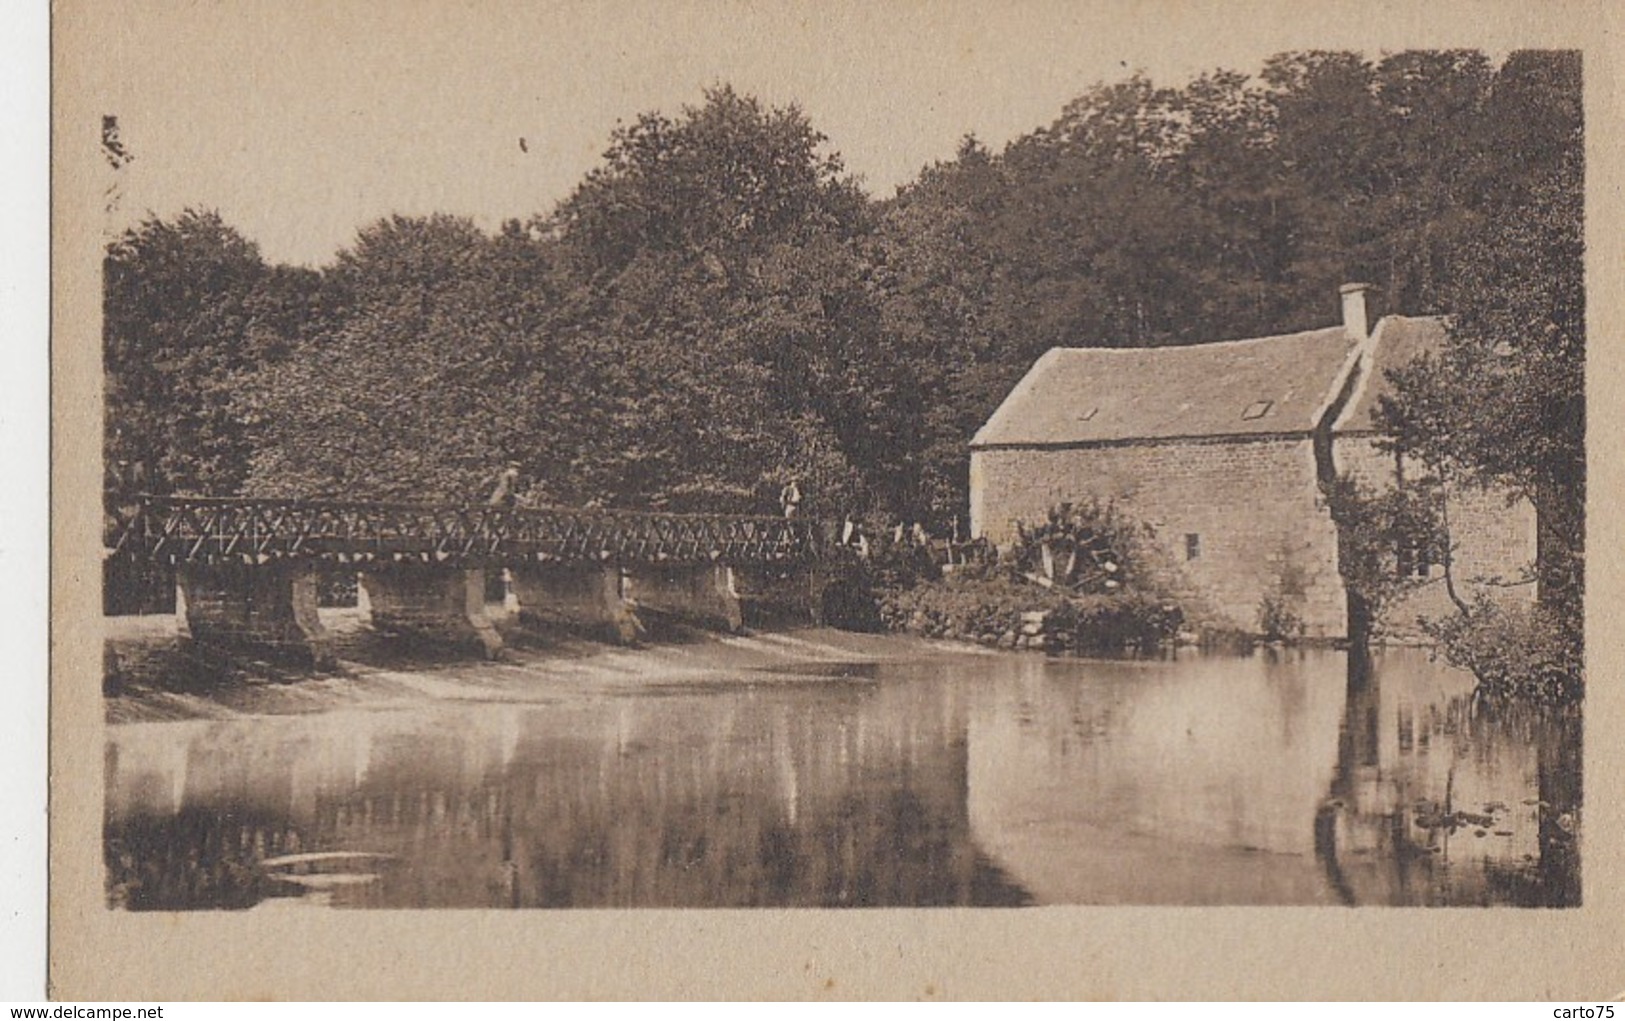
(975, 779)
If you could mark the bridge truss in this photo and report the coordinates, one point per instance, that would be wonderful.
(182, 530)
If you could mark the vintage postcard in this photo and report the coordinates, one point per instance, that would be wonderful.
(778, 500)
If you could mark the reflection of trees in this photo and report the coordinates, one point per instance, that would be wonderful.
(1360, 834)
(858, 798)
(196, 858)
(770, 808)
(1556, 735)
(1459, 802)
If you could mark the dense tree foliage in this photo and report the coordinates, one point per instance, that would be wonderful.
(1504, 403)
(189, 307)
(718, 308)
(1231, 207)
(404, 396)
(692, 328)
(715, 265)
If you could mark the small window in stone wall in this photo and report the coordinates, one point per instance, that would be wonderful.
(1193, 545)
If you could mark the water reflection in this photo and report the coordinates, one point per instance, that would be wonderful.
(843, 795)
(979, 780)
(1158, 783)
(1441, 799)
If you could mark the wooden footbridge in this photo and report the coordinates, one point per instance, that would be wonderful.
(195, 530)
(247, 570)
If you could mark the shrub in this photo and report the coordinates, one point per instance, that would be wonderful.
(1002, 610)
(1102, 623)
(1089, 565)
(964, 606)
(1522, 652)
(1087, 547)
(1276, 620)
(901, 564)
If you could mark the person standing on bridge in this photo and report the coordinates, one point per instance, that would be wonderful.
(790, 499)
(506, 493)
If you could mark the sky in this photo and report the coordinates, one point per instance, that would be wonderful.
(302, 121)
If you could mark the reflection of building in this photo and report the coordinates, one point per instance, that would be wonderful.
(1158, 783)
(1221, 448)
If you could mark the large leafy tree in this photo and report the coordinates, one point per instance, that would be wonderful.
(689, 329)
(713, 265)
(948, 315)
(1504, 403)
(406, 394)
(189, 305)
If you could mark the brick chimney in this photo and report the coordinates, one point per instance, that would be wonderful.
(1354, 318)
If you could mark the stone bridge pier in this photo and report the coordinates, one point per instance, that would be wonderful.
(270, 608)
(585, 596)
(433, 601)
(618, 603)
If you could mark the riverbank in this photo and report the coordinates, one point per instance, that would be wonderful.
(162, 682)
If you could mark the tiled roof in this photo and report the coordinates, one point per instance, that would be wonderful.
(1233, 388)
(1394, 343)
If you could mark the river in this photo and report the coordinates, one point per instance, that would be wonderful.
(820, 769)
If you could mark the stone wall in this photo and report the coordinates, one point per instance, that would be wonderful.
(1493, 541)
(1234, 520)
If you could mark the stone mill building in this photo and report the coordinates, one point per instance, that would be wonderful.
(1219, 449)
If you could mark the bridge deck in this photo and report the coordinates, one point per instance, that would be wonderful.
(177, 530)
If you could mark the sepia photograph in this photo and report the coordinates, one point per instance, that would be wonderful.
(555, 457)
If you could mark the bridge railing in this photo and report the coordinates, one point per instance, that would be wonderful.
(226, 530)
